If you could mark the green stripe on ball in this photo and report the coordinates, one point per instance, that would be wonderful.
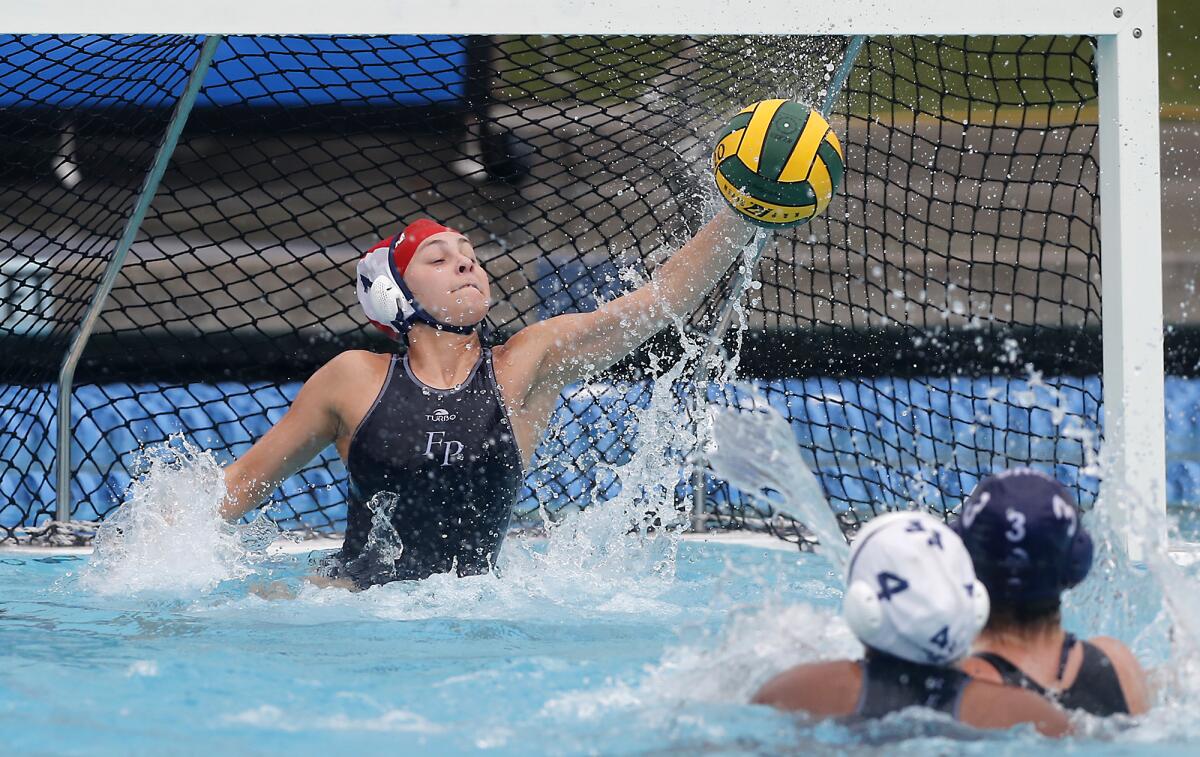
(783, 135)
(740, 121)
(833, 162)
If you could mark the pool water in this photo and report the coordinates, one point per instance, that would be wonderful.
(564, 653)
(446, 665)
(612, 634)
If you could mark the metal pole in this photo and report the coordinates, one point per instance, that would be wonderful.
(1131, 280)
(743, 276)
(842, 74)
(66, 374)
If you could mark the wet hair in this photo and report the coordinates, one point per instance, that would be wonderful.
(1025, 617)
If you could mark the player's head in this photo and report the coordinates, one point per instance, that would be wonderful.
(911, 591)
(1024, 534)
(428, 273)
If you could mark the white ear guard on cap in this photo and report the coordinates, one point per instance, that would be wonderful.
(862, 612)
(982, 606)
(385, 299)
(912, 591)
(388, 301)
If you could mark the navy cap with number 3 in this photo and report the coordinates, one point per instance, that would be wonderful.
(1025, 537)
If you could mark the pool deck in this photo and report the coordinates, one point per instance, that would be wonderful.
(290, 546)
(1184, 553)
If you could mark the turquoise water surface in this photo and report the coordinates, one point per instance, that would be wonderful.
(632, 648)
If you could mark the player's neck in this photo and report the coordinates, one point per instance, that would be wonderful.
(1014, 642)
(440, 358)
(1036, 652)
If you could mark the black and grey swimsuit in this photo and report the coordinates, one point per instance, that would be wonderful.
(439, 466)
(890, 684)
(1096, 688)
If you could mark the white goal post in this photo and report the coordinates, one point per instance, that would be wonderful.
(1128, 134)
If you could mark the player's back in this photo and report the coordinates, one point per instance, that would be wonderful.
(883, 684)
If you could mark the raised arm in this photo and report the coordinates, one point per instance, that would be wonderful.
(310, 425)
(577, 345)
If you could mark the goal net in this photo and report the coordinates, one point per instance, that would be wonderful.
(940, 321)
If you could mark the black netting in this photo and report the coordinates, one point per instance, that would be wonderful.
(955, 279)
(81, 119)
(893, 333)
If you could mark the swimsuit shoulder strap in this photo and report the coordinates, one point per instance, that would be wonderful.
(890, 684)
(1067, 644)
(1009, 673)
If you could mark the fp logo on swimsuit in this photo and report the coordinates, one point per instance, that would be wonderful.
(452, 449)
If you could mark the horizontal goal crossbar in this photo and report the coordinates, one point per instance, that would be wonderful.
(558, 17)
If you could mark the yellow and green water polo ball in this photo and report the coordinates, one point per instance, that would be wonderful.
(777, 163)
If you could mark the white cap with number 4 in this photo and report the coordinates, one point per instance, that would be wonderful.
(911, 590)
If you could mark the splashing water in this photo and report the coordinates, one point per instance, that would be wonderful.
(169, 536)
(756, 452)
(1136, 591)
(1149, 602)
(634, 535)
(753, 645)
(614, 556)
(383, 546)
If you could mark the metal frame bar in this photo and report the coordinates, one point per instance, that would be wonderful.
(1131, 274)
(66, 374)
(846, 17)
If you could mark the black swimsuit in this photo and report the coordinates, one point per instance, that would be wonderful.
(1096, 688)
(439, 466)
(890, 684)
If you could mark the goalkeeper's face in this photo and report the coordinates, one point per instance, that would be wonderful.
(447, 280)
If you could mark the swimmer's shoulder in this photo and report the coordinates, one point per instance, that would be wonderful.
(353, 361)
(992, 705)
(350, 371)
(980, 670)
(347, 384)
(1130, 673)
(822, 689)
